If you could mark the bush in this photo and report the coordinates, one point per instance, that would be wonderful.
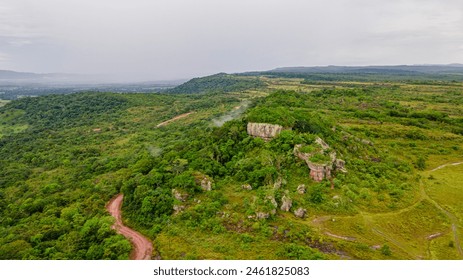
(294, 251)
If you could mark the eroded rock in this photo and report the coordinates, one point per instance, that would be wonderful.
(301, 189)
(300, 212)
(286, 203)
(320, 171)
(206, 184)
(246, 187)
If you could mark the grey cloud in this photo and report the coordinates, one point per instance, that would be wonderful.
(167, 39)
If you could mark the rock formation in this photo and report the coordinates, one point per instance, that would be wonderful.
(206, 184)
(286, 203)
(204, 181)
(246, 187)
(300, 212)
(320, 171)
(301, 189)
(264, 130)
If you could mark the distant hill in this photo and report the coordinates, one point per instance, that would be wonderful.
(397, 73)
(404, 69)
(218, 83)
(7, 76)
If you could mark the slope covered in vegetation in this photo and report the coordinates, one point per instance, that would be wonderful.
(219, 83)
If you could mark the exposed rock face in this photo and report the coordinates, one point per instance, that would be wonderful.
(265, 131)
(286, 203)
(206, 184)
(300, 212)
(301, 189)
(320, 171)
(246, 187)
(179, 196)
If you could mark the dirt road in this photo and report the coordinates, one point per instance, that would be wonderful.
(445, 165)
(174, 119)
(143, 248)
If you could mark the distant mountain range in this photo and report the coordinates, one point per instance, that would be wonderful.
(7, 76)
(396, 69)
(48, 78)
(62, 79)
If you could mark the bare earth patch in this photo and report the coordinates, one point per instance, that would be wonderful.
(174, 119)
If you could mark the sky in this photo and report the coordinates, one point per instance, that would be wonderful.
(145, 40)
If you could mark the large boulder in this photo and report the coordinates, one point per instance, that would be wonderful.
(206, 184)
(265, 131)
(246, 187)
(300, 212)
(286, 203)
(301, 189)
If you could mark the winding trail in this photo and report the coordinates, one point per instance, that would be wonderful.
(143, 248)
(445, 165)
(451, 216)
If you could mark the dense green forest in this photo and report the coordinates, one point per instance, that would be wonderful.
(63, 157)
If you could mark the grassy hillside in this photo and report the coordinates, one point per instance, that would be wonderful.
(64, 157)
(219, 83)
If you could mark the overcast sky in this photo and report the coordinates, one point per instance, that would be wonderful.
(170, 39)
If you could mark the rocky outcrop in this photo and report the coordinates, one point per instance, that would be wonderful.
(246, 187)
(301, 189)
(206, 184)
(204, 181)
(265, 131)
(286, 203)
(300, 212)
(320, 170)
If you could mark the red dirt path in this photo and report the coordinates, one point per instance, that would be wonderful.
(143, 248)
